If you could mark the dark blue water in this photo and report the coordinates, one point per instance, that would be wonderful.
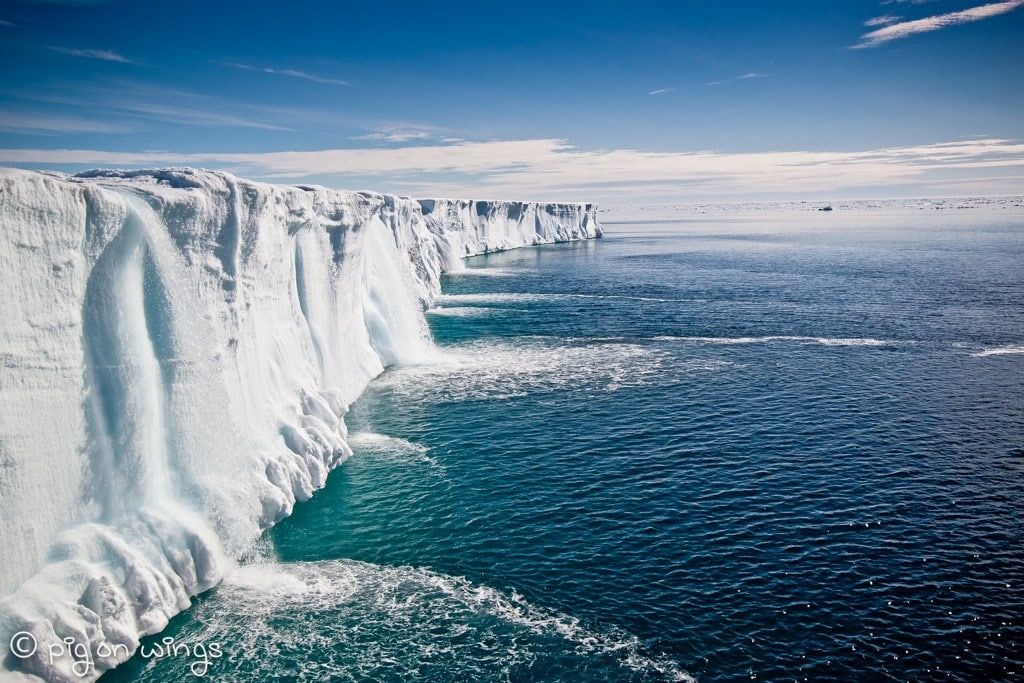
(782, 448)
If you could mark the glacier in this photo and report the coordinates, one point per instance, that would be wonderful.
(179, 349)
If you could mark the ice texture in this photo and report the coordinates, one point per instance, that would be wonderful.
(179, 349)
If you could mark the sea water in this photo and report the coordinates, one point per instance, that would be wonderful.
(775, 446)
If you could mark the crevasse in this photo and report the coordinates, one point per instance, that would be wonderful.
(178, 349)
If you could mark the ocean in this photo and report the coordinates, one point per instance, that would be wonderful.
(752, 444)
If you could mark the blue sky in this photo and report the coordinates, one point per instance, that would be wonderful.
(606, 101)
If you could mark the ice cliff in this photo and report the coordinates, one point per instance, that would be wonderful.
(178, 350)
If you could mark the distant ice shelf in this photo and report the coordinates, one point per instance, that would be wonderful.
(649, 213)
(178, 349)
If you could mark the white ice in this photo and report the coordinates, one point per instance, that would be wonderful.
(178, 349)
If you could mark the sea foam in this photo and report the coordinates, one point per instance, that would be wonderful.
(999, 351)
(365, 621)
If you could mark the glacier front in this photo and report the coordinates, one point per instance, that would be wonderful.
(179, 349)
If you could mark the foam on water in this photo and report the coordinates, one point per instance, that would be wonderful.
(349, 620)
(999, 351)
(824, 341)
(497, 298)
(391, 446)
(502, 369)
(462, 311)
(535, 297)
(485, 272)
(377, 442)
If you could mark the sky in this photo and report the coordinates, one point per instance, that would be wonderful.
(611, 102)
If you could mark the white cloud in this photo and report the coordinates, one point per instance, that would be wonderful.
(934, 23)
(551, 168)
(662, 91)
(744, 77)
(291, 73)
(127, 98)
(104, 55)
(396, 135)
(44, 124)
(883, 20)
(189, 115)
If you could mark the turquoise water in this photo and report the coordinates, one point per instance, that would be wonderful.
(782, 447)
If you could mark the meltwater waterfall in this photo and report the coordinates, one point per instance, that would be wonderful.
(179, 349)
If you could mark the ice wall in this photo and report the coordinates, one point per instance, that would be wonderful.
(468, 227)
(179, 349)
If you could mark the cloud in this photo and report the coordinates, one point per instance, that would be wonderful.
(189, 115)
(744, 77)
(934, 23)
(291, 73)
(104, 55)
(126, 97)
(741, 77)
(552, 168)
(883, 20)
(35, 123)
(7, 24)
(395, 135)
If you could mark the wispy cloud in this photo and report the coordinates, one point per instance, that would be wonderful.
(36, 123)
(662, 91)
(396, 135)
(904, 29)
(883, 20)
(188, 115)
(290, 73)
(744, 77)
(549, 168)
(104, 55)
(7, 24)
(129, 98)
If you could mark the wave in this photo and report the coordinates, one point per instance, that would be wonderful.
(485, 272)
(358, 621)
(396, 447)
(497, 298)
(532, 297)
(999, 351)
(461, 311)
(824, 341)
(494, 369)
(626, 297)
